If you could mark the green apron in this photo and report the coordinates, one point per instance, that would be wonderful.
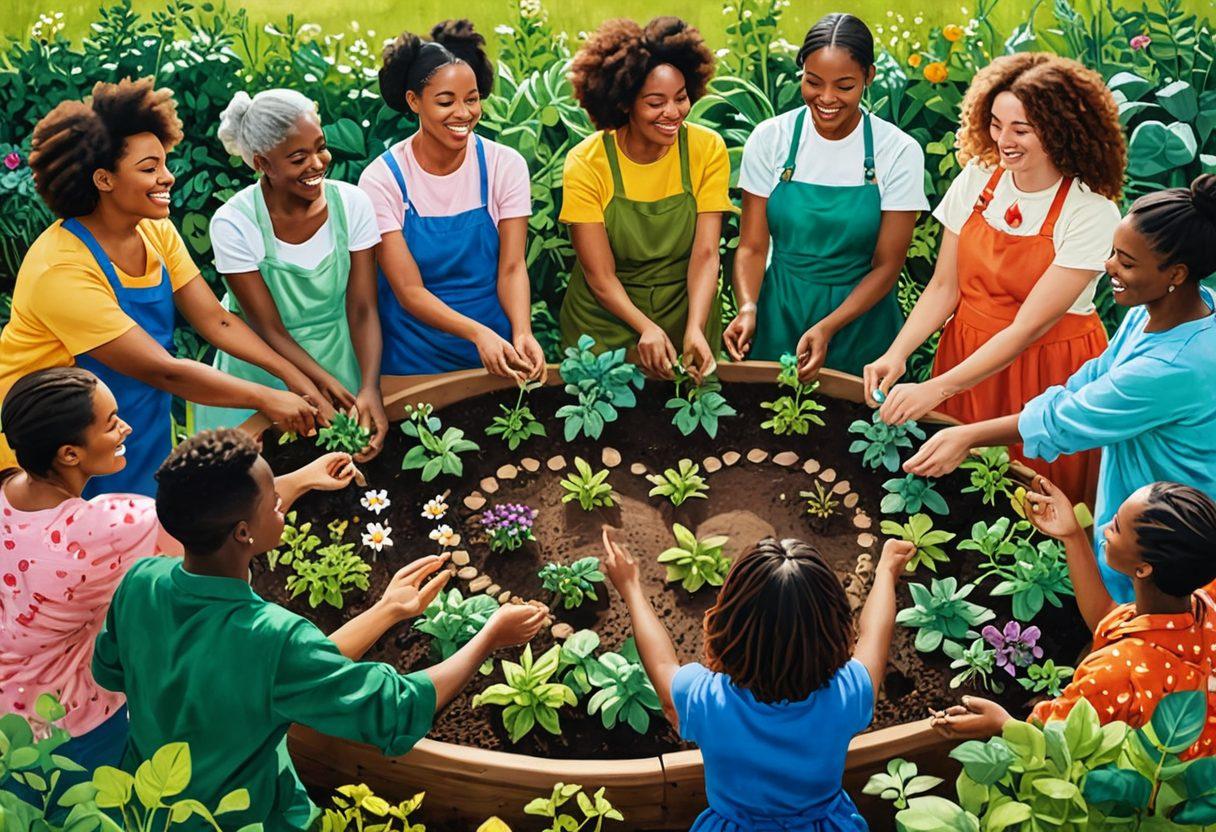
(823, 241)
(651, 244)
(311, 304)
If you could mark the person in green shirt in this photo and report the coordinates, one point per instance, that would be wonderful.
(204, 660)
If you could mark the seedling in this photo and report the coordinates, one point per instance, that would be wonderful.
(942, 611)
(625, 693)
(343, 433)
(594, 808)
(517, 424)
(359, 806)
(574, 583)
(910, 494)
(335, 571)
(989, 474)
(576, 658)
(974, 663)
(820, 504)
(994, 542)
(901, 781)
(530, 698)
(679, 485)
(602, 384)
(296, 542)
(590, 488)
(1046, 678)
(796, 413)
(697, 405)
(1015, 646)
(920, 533)
(1036, 575)
(435, 454)
(693, 562)
(508, 526)
(881, 443)
(452, 620)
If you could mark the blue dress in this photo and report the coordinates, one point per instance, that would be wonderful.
(774, 767)
(1149, 401)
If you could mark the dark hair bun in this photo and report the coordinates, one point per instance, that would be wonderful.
(460, 38)
(1203, 196)
(396, 61)
(408, 63)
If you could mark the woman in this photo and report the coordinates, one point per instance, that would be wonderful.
(838, 194)
(452, 210)
(1027, 226)
(99, 287)
(644, 198)
(1149, 400)
(296, 251)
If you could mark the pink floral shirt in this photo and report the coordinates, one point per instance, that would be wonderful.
(58, 571)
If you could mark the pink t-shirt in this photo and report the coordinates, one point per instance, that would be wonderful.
(509, 186)
(58, 571)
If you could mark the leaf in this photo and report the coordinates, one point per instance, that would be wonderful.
(1006, 815)
(165, 775)
(1123, 791)
(113, 787)
(1155, 148)
(984, 762)
(1178, 720)
(234, 801)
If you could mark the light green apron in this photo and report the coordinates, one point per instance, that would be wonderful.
(651, 244)
(311, 304)
(823, 241)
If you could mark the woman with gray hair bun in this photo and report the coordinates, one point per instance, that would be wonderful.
(296, 252)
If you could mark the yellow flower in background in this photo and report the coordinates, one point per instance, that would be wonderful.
(935, 72)
(914, 60)
(953, 32)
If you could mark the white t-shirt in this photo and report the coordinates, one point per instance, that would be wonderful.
(899, 162)
(1084, 232)
(237, 241)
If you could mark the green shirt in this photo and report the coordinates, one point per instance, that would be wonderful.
(206, 661)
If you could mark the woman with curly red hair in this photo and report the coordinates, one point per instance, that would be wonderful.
(1028, 226)
(644, 198)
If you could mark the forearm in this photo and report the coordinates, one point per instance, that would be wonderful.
(423, 305)
(451, 675)
(934, 307)
(290, 487)
(992, 432)
(203, 384)
(1093, 599)
(355, 637)
(748, 275)
(366, 339)
(872, 288)
(876, 627)
(993, 356)
(284, 345)
(515, 295)
(228, 332)
(611, 294)
(702, 286)
(654, 645)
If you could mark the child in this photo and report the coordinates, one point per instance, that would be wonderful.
(204, 660)
(777, 673)
(1164, 539)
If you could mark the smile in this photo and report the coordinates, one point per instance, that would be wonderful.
(313, 181)
(461, 130)
(1012, 155)
(669, 128)
(827, 112)
(1117, 285)
(159, 197)
(121, 450)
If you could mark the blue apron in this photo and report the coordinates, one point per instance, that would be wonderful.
(144, 408)
(457, 257)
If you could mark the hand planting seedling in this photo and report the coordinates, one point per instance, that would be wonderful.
(452, 620)
(1015, 647)
(793, 414)
(1046, 678)
(625, 693)
(294, 544)
(920, 533)
(881, 442)
(591, 489)
(989, 474)
(974, 663)
(435, 454)
(942, 611)
(508, 526)
(910, 494)
(693, 562)
(517, 425)
(530, 698)
(602, 384)
(820, 505)
(679, 485)
(574, 583)
(699, 406)
(1034, 576)
(344, 433)
(576, 658)
(900, 782)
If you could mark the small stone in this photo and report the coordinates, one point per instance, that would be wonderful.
(468, 573)
(460, 557)
(474, 501)
(493, 589)
(479, 583)
(610, 457)
(828, 475)
(862, 520)
(637, 469)
(841, 487)
(556, 463)
(507, 472)
(786, 459)
(757, 455)
(730, 457)
(530, 464)
(562, 631)
(811, 466)
(489, 485)
(711, 464)
(851, 499)
(504, 596)
(865, 540)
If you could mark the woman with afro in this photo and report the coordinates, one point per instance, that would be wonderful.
(452, 211)
(99, 288)
(1028, 226)
(644, 198)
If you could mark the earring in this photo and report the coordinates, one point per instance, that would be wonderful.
(251, 541)
(1172, 288)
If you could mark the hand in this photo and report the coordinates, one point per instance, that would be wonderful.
(698, 357)
(881, 374)
(514, 624)
(895, 556)
(907, 402)
(499, 357)
(1050, 510)
(406, 595)
(369, 410)
(330, 472)
(288, 411)
(738, 335)
(528, 348)
(334, 392)
(942, 453)
(619, 566)
(302, 386)
(812, 352)
(975, 719)
(656, 353)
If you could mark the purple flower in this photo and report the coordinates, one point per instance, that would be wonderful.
(13, 160)
(1014, 646)
(1140, 42)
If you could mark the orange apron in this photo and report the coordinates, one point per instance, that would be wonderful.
(996, 272)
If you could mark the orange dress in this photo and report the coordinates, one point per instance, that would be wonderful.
(1138, 659)
(996, 272)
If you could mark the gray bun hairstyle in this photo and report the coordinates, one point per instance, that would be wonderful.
(253, 126)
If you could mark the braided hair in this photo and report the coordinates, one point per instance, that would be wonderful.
(844, 31)
(1180, 224)
(44, 411)
(1176, 533)
(205, 487)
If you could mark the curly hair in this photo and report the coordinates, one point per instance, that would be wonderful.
(611, 67)
(77, 138)
(781, 627)
(1070, 107)
(408, 62)
(204, 488)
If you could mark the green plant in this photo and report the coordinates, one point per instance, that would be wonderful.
(574, 583)
(517, 425)
(1034, 575)
(796, 413)
(602, 384)
(576, 658)
(595, 808)
(693, 562)
(920, 533)
(625, 693)
(34, 763)
(941, 612)
(699, 405)
(899, 782)
(910, 494)
(591, 489)
(452, 620)
(820, 503)
(1046, 678)
(435, 454)
(994, 542)
(974, 663)
(296, 543)
(989, 474)
(331, 573)
(530, 698)
(880, 442)
(679, 485)
(358, 804)
(343, 433)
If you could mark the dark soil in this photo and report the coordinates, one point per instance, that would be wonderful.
(746, 501)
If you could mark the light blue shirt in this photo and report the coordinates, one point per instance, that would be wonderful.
(1149, 402)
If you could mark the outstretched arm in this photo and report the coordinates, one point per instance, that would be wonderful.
(877, 625)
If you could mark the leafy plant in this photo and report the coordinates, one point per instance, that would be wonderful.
(697, 405)
(820, 503)
(910, 494)
(974, 663)
(296, 542)
(574, 583)
(1034, 575)
(1046, 678)
(880, 442)
(1015, 646)
(576, 658)
(602, 384)
(989, 474)
(693, 562)
(435, 454)
(625, 693)
(942, 611)
(530, 698)
(452, 620)
(679, 484)
(920, 533)
(343, 433)
(334, 571)
(517, 425)
(994, 542)
(796, 413)
(899, 782)
(508, 526)
(591, 489)
(358, 804)
(595, 809)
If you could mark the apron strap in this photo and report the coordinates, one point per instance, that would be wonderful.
(85, 236)
(787, 173)
(618, 184)
(265, 226)
(395, 169)
(337, 213)
(869, 173)
(985, 197)
(482, 173)
(685, 175)
(1057, 205)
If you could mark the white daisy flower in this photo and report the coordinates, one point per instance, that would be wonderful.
(445, 537)
(377, 537)
(376, 501)
(435, 508)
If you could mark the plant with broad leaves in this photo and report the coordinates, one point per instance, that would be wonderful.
(1015, 646)
(574, 583)
(995, 541)
(1046, 678)
(697, 405)
(595, 809)
(910, 494)
(901, 780)
(517, 424)
(920, 533)
(590, 488)
(508, 526)
(880, 442)
(625, 693)
(295, 543)
(602, 385)
(32, 760)
(589, 414)
(434, 454)
(357, 806)
(343, 433)
(1034, 576)
(679, 484)
(693, 562)
(530, 698)
(334, 571)
(942, 611)
(575, 660)
(973, 663)
(452, 620)
(989, 469)
(796, 413)
(821, 504)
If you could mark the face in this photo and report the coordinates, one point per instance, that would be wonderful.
(299, 162)
(832, 85)
(1015, 139)
(661, 106)
(1122, 545)
(101, 450)
(265, 525)
(1137, 275)
(140, 182)
(450, 105)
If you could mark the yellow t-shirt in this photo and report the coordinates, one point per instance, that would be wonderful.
(63, 305)
(587, 179)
